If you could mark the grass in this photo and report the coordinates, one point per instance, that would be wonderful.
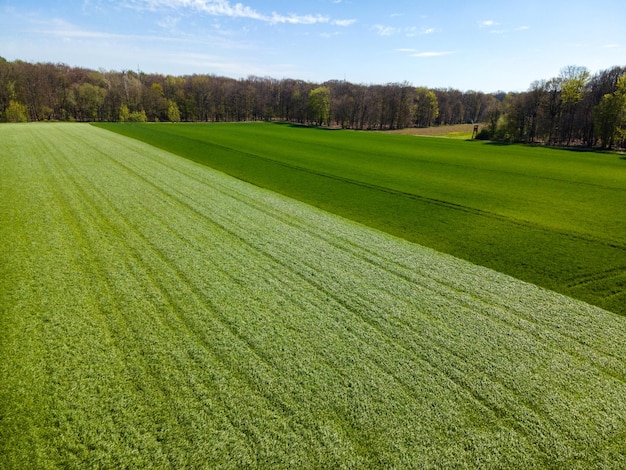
(158, 314)
(549, 217)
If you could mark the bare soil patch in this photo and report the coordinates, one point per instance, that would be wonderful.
(438, 131)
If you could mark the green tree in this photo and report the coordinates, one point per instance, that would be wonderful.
(90, 99)
(154, 102)
(138, 116)
(124, 113)
(609, 116)
(16, 112)
(319, 105)
(173, 113)
(426, 107)
(572, 94)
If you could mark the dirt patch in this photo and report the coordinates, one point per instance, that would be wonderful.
(440, 131)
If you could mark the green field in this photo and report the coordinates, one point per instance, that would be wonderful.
(551, 217)
(156, 313)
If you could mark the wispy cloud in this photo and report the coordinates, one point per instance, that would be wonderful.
(169, 22)
(344, 22)
(59, 28)
(62, 29)
(226, 9)
(488, 24)
(409, 31)
(432, 54)
(211, 7)
(424, 54)
(275, 18)
(385, 30)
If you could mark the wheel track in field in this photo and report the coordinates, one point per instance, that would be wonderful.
(582, 280)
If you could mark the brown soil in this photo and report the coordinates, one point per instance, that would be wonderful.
(437, 130)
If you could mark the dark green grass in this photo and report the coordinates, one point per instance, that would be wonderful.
(551, 217)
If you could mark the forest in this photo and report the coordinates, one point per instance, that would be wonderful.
(575, 108)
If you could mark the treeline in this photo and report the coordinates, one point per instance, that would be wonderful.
(574, 108)
(46, 91)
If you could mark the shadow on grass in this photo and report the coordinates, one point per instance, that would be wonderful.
(577, 149)
(297, 125)
(497, 143)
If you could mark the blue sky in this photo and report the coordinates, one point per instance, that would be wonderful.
(470, 45)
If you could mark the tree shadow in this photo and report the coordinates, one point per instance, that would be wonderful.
(571, 148)
(297, 125)
(497, 143)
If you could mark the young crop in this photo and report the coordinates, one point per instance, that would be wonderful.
(157, 313)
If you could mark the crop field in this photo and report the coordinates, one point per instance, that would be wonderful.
(156, 313)
(554, 218)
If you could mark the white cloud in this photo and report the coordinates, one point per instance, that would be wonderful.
(344, 22)
(488, 24)
(211, 7)
(295, 19)
(385, 30)
(237, 10)
(431, 54)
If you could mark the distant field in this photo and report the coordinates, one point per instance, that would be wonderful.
(158, 314)
(550, 217)
(457, 131)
